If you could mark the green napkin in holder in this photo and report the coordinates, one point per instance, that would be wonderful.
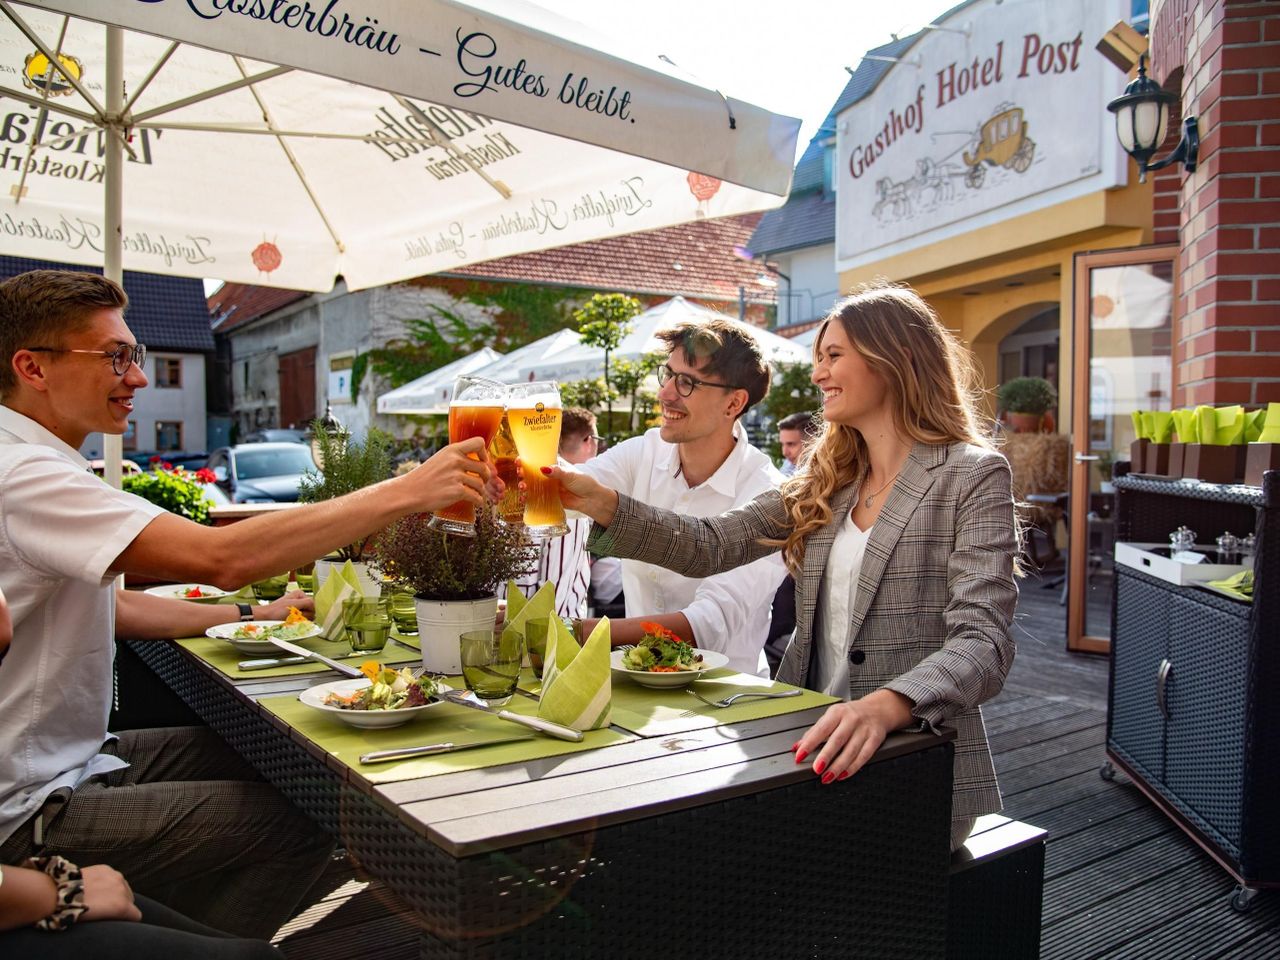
(1263, 434)
(1219, 456)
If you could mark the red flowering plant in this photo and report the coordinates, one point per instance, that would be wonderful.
(661, 651)
(177, 490)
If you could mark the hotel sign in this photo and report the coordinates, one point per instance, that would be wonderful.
(1001, 112)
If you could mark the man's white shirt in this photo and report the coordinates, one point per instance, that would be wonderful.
(728, 612)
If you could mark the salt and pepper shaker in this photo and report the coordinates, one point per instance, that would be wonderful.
(1248, 547)
(1182, 539)
(1228, 548)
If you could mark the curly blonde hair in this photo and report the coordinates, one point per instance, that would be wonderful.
(932, 385)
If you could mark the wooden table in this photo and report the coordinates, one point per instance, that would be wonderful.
(707, 844)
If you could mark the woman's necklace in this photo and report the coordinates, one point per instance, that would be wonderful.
(871, 497)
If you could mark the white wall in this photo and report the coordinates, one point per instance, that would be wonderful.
(813, 283)
(152, 403)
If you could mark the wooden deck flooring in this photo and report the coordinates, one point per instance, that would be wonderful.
(1121, 881)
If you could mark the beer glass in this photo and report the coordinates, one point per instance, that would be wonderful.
(475, 411)
(533, 412)
(503, 453)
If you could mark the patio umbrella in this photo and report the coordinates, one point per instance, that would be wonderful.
(528, 362)
(432, 392)
(288, 143)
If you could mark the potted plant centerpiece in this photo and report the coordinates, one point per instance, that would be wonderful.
(346, 465)
(1026, 400)
(455, 579)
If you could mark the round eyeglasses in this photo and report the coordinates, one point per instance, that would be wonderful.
(686, 384)
(121, 357)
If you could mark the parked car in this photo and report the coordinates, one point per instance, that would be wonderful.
(260, 472)
(278, 435)
(126, 466)
(189, 460)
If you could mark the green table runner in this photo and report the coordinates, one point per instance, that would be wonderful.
(650, 712)
(444, 722)
(222, 656)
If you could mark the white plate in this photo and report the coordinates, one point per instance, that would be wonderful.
(177, 591)
(224, 631)
(710, 661)
(313, 697)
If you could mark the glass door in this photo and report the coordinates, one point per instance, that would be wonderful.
(1122, 360)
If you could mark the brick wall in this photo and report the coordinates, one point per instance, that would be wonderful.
(1227, 319)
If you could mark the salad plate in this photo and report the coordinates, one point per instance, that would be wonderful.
(254, 637)
(195, 592)
(711, 660)
(315, 697)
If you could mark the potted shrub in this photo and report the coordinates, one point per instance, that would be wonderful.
(176, 489)
(347, 466)
(455, 580)
(1026, 400)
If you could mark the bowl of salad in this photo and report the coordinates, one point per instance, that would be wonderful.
(386, 697)
(662, 659)
(195, 592)
(255, 636)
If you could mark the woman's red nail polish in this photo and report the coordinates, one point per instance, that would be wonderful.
(795, 746)
(819, 766)
(546, 471)
(843, 776)
(828, 777)
(800, 755)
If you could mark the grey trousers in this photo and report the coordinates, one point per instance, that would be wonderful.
(190, 824)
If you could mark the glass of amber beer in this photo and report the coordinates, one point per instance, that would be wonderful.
(533, 413)
(475, 411)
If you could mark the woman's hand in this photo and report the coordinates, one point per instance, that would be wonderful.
(584, 494)
(107, 895)
(457, 472)
(279, 609)
(850, 733)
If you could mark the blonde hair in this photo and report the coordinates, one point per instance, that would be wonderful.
(932, 387)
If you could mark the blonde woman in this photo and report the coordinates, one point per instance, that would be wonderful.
(899, 529)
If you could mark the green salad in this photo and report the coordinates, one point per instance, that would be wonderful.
(661, 651)
(389, 689)
(279, 631)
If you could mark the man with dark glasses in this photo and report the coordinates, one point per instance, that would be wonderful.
(699, 462)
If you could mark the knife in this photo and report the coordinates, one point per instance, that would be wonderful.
(404, 753)
(269, 662)
(465, 698)
(342, 668)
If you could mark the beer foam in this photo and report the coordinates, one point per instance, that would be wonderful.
(531, 401)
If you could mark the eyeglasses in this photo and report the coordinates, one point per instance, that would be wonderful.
(121, 357)
(685, 384)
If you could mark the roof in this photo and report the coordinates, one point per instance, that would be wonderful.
(165, 313)
(808, 220)
(233, 304)
(692, 259)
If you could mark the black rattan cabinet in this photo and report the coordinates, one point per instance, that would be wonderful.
(1194, 702)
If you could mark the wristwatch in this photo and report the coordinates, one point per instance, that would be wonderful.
(246, 612)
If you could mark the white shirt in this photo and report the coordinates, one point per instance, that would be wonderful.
(60, 529)
(830, 667)
(729, 613)
(565, 561)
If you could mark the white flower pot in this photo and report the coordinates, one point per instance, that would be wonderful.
(442, 622)
(369, 584)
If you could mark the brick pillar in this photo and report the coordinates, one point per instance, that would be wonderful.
(1227, 318)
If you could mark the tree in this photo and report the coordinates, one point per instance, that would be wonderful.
(602, 322)
(629, 377)
(792, 391)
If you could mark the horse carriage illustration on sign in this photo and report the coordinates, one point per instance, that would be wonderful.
(1001, 142)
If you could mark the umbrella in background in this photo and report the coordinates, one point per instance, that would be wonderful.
(528, 362)
(288, 144)
(432, 392)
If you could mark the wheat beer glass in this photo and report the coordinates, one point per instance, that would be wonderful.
(475, 411)
(503, 453)
(533, 413)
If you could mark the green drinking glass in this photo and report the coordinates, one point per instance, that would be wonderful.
(367, 623)
(491, 663)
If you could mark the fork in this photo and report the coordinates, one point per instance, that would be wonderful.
(730, 700)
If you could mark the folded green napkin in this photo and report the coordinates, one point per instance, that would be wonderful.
(1270, 424)
(341, 583)
(1221, 426)
(1186, 425)
(1157, 426)
(1239, 586)
(522, 609)
(1253, 421)
(577, 688)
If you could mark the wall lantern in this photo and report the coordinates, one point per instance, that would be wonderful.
(328, 425)
(1142, 120)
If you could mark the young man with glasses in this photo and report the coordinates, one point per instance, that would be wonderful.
(174, 810)
(699, 462)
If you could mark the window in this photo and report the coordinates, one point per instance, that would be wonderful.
(168, 435)
(169, 372)
(130, 439)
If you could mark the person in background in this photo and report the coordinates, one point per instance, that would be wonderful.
(795, 431)
(565, 560)
(699, 463)
(901, 535)
(174, 810)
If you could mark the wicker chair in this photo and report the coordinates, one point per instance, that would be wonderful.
(1041, 464)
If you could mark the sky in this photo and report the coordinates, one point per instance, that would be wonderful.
(792, 64)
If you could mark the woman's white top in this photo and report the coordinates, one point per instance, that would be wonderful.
(830, 669)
